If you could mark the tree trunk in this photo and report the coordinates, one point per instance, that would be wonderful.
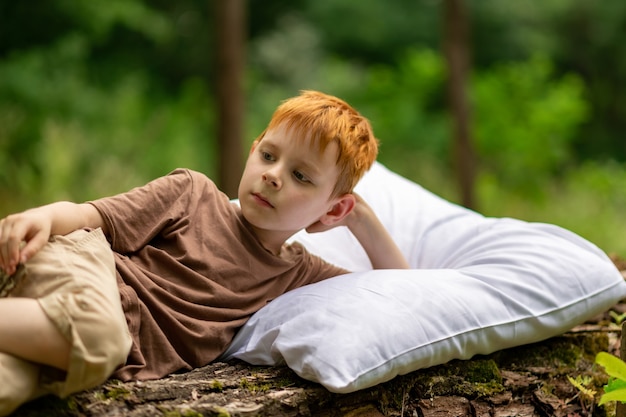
(620, 408)
(230, 16)
(456, 35)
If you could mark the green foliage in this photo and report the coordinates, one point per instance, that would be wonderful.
(615, 390)
(525, 121)
(400, 101)
(63, 135)
(103, 95)
(99, 17)
(372, 31)
(585, 199)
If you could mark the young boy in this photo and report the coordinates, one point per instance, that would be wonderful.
(159, 279)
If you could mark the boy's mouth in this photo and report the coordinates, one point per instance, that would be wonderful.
(261, 200)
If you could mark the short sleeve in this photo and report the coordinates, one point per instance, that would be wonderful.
(137, 216)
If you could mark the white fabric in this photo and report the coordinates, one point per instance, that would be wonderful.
(478, 285)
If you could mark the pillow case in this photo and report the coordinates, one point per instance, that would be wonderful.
(477, 285)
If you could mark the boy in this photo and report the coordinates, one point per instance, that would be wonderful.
(189, 266)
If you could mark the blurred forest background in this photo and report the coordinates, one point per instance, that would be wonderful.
(99, 96)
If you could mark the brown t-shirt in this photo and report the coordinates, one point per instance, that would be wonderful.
(191, 272)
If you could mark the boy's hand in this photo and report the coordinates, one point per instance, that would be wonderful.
(371, 233)
(360, 205)
(21, 236)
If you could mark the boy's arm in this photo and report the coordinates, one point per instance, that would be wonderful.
(374, 237)
(23, 234)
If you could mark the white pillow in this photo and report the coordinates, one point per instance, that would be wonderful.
(479, 285)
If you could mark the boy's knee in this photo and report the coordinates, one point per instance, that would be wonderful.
(118, 342)
(102, 343)
(99, 337)
(19, 381)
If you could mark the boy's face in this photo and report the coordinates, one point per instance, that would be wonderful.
(286, 185)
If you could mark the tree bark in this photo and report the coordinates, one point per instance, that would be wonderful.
(530, 380)
(230, 17)
(456, 51)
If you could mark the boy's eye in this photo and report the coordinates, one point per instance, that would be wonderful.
(267, 156)
(300, 176)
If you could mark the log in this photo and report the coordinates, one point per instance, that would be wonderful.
(529, 380)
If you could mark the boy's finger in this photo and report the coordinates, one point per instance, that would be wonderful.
(11, 253)
(32, 247)
(4, 248)
(11, 237)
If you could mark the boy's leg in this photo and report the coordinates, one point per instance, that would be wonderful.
(73, 281)
(20, 383)
(27, 332)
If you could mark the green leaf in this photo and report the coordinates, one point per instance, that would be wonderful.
(614, 384)
(613, 365)
(617, 395)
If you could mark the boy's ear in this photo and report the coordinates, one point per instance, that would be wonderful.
(340, 209)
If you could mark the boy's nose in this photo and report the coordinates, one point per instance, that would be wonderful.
(272, 179)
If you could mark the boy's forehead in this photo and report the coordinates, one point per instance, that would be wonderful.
(327, 152)
(301, 136)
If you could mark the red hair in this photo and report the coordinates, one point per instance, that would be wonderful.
(325, 119)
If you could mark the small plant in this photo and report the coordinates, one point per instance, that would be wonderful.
(582, 384)
(586, 395)
(618, 318)
(615, 389)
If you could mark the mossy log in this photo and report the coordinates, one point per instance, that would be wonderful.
(531, 380)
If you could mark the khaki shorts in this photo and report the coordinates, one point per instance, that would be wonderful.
(73, 278)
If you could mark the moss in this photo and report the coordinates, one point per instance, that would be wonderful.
(557, 353)
(285, 381)
(247, 385)
(470, 379)
(394, 393)
(71, 404)
(480, 389)
(457, 386)
(547, 389)
(191, 413)
(564, 354)
(479, 371)
(113, 391)
(592, 345)
(117, 393)
(610, 409)
(53, 406)
(216, 385)
(184, 413)
(222, 412)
